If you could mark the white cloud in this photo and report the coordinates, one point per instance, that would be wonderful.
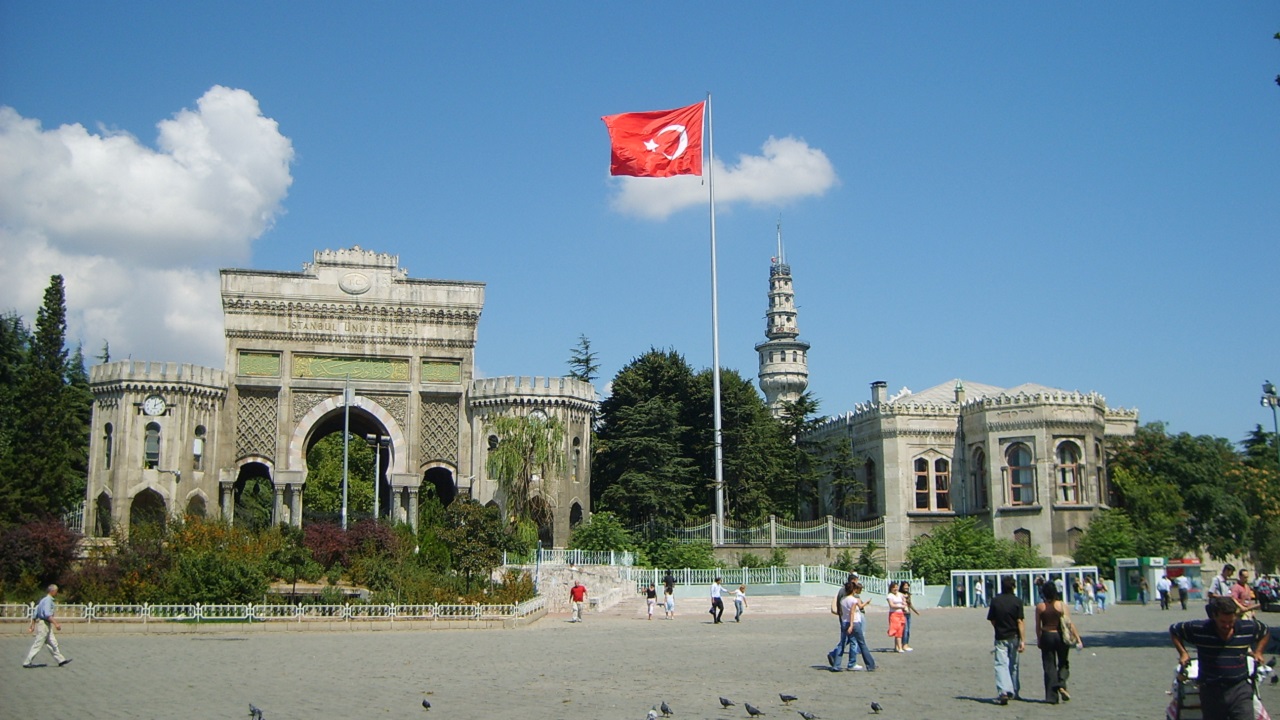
(139, 233)
(786, 169)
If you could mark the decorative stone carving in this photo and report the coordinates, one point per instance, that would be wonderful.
(304, 401)
(396, 405)
(256, 424)
(439, 429)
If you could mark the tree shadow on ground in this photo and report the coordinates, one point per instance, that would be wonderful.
(1128, 639)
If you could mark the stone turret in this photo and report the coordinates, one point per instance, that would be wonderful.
(784, 358)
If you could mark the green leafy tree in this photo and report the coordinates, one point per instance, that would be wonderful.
(602, 533)
(584, 362)
(528, 446)
(965, 545)
(643, 469)
(324, 477)
(476, 536)
(14, 341)
(1154, 509)
(673, 554)
(869, 561)
(1110, 535)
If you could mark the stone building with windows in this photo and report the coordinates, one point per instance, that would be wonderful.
(1030, 461)
(350, 342)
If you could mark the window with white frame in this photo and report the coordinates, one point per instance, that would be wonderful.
(1070, 472)
(942, 484)
(1020, 475)
(932, 485)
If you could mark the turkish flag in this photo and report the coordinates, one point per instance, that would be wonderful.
(659, 143)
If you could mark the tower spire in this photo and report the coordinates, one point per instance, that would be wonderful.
(784, 358)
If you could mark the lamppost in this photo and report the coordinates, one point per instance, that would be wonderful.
(1269, 399)
(378, 441)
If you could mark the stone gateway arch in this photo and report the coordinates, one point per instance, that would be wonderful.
(349, 341)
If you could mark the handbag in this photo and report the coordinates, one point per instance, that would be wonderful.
(1064, 628)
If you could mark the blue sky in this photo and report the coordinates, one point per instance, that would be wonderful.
(1082, 195)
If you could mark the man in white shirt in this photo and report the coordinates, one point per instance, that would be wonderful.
(1184, 589)
(1163, 586)
(717, 603)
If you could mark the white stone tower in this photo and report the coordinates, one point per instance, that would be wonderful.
(784, 359)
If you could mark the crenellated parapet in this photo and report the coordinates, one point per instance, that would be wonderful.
(1048, 397)
(142, 376)
(537, 391)
(356, 257)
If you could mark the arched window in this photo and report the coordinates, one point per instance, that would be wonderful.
(1073, 539)
(151, 447)
(942, 484)
(922, 484)
(1069, 473)
(980, 494)
(576, 460)
(197, 449)
(933, 485)
(107, 440)
(1020, 475)
(1022, 536)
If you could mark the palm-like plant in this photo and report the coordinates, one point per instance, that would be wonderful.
(528, 446)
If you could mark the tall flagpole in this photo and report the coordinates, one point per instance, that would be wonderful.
(346, 440)
(715, 338)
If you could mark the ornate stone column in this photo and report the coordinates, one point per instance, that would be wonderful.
(413, 508)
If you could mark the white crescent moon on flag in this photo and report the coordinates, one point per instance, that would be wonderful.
(680, 148)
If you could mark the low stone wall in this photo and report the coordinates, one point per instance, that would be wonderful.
(606, 585)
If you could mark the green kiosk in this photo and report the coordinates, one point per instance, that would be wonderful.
(1128, 573)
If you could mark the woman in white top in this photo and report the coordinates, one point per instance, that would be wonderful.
(897, 616)
(739, 602)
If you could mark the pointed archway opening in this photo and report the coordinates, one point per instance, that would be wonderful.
(438, 482)
(544, 517)
(196, 507)
(370, 452)
(253, 496)
(147, 508)
(102, 516)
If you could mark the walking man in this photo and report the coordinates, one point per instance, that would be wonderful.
(1163, 586)
(43, 624)
(1223, 642)
(1184, 589)
(577, 596)
(1007, 619)
(717, 602)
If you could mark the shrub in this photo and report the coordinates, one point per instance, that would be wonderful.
(671, 553)
(36, 554)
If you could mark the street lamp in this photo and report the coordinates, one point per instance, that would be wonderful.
(1269, 399)
(377, 440)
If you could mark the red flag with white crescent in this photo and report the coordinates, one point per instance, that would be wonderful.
(658, 143)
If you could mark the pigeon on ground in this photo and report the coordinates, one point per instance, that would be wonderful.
(426, 704)
(807, 715)
(786, 699)
(726, 702)
(666, 709)
(254, 712)
(752, 710)
(1271, 662)
(1275, 679)
(653, 713)
(875, 708)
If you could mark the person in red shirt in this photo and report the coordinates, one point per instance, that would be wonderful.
(577, 595)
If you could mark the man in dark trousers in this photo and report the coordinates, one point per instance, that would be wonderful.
(1224, 642)
(1007, 619)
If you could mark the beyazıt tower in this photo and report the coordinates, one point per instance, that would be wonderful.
(784, 359)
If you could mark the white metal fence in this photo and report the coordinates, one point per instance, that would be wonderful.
(269, 612)
(571, 557)
(757, 577)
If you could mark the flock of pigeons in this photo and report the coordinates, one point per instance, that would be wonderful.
(664, 710)
(752, 710)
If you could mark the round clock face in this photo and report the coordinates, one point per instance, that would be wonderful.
(153, 405)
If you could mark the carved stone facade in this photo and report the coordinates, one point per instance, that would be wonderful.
(1029, 461)
(185, 438)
